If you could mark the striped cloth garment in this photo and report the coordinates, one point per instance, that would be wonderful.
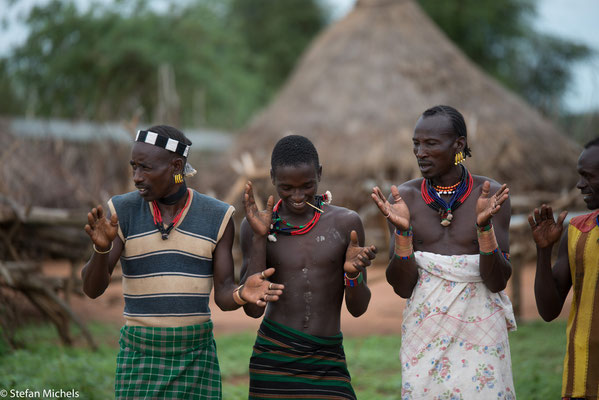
(167, 283)
(168, 363)
(581, 363)
(289, 364)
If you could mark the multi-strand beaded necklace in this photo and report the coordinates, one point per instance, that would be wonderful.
(158, 218)
(446, 189)
(460, 192)
(280, 226)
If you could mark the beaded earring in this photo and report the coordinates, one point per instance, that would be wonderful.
(459, 158)
(178, 178)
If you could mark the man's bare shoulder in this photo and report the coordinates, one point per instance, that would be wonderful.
(478, 180)
(340, 212)
(410, 188)
(342, 218)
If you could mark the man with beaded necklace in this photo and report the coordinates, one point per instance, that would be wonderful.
(174, 244)
(450, 258)
(316, 249)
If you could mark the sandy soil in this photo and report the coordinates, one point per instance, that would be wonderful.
(383, 317)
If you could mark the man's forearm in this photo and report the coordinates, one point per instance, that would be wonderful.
(548, 299)
(96, 275)
(256, 264)
(402, 274)
(357, 295)
(257, 257)
(495, 271)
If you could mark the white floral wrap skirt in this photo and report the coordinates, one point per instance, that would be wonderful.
(455, 333)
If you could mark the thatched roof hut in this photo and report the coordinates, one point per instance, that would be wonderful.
(360, 87)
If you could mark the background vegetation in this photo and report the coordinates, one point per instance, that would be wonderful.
(217, 62)
(537, 353)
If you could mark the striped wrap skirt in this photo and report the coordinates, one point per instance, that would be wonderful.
(289, 364)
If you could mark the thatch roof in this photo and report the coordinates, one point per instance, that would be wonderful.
(359, 89)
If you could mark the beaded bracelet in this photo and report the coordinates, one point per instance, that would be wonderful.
(353, 282)
(484, 228)
(488, 253)
(487, 243)
(404, 257)
(409, 232)
(403, 244)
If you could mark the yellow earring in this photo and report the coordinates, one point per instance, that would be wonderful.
(459, 158)
(178, 178)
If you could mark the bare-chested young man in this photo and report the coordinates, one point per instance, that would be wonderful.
(449, 258)
(316, 251)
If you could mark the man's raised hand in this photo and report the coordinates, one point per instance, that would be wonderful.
(545, 230)
(357, 258)
(487, 207)
(258, 290)
(101, 230)
(259, 220)
(397, 212)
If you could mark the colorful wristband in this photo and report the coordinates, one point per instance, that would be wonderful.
(488, 253)
(409, 232)
(353, 282)
(487, 243)
(404, 257)
(403, 244)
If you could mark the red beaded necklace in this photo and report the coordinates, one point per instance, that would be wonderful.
(299, 229)
(279, 225)
(158, 217)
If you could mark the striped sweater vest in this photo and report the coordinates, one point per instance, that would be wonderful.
(167, 283)
(581, 364)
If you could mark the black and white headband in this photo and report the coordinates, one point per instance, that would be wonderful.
(162, 141)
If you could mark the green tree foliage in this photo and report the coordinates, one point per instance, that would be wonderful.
(499, 36)
(229, 57)
(103, 63)
(276, 33)
(10, 102)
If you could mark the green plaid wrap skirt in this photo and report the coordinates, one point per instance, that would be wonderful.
(168, 363)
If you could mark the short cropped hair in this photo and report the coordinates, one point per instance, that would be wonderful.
(457, 121)
(593, 142)
(294, 150)
(170, 132)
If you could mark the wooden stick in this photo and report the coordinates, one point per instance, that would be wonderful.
(313, 206)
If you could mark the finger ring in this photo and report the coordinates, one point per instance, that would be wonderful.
(262, 273)
(387, 216)
(270, 286)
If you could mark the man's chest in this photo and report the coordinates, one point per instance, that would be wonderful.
(319, 247)
(429, 230)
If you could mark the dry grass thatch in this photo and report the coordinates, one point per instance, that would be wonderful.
(359, 89)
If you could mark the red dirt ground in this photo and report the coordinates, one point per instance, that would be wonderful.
(383, 317)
